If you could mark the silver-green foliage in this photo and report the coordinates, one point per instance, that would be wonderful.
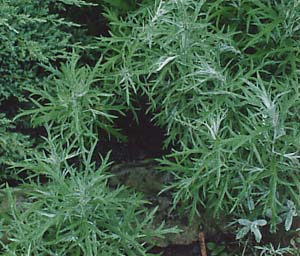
(221, 77)
(270, 250)
(75, 212)
(252, 227)
(74, 102)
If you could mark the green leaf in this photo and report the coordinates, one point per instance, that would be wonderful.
(242, 233)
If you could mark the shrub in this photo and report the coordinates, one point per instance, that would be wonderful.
(75, 212)
(222, 78)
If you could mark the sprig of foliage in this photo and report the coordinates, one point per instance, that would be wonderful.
(270, 250)
(289, 214)
(252, 227)
(73, 102)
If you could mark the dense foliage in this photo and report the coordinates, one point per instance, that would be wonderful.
(30, 35)
(221, 77)
(225, 85)
(13, 145)
(63, 205)
(76, 212)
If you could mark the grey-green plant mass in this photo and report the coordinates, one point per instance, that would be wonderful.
(220, 77)
(74, 102)
(75, 212)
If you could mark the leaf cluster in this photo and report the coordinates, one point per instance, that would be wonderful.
(74, 103)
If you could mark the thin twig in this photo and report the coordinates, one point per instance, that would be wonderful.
(202, 244)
